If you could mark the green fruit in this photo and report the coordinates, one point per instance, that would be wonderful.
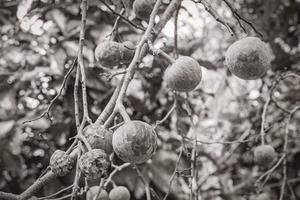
(135, 142)
(99, 138)
(60, 163)
(94, 164)
(263, 196)
(128, 50)
(183, 75)
(108, 53)
(119, 193)
(248, 58)
(264, 155)
(93, 191)
(143, 8)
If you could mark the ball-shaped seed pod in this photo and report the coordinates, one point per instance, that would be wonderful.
(119, 193)
(143, 8)
(248, 58)
(93, 191)
(263, 196)
(127, 49)
(99, 137)
(135, 142)
(108, 53)
(94, 164)
(264, 155)
(61, 163)
(183, 75)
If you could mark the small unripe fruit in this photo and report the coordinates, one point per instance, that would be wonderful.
(248, 58)
(127, 49)
(264, 155)
(108, 53)
(143, 8)
(93, 191)
(61, 163)
(94, 164)
(99, 138)
(135, 142)
(183, 75)
(119, 193)
(263, 196)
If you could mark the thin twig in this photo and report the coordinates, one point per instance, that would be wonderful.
(57, 193)
(176, 33)
(174, 173)
(117, 169)
(215, 15)
(63, 85)
(167, 115)
(147, 187)
(122, 17)
(160, 52)
(238, 16)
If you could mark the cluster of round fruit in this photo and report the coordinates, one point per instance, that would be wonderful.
(117, 193)
(134, 142)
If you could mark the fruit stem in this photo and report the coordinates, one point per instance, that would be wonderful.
(121, 109)
(160, 52)
(101, 184)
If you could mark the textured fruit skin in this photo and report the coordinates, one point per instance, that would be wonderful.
(61, 163)
(119, 193)
(93, 191)
(248, 58)
(108, 53)
(128, 50)
(143, 8)
(135, 142)
(263, 196)
(264, 155)
(94, 164)
(183, 75)
(99, 138)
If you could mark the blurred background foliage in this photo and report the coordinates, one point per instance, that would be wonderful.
(39, 41)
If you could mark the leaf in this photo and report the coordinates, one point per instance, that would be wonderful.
(6, 127)
(14, 164)
(71, 48)
(59, 18)
(30, 75)
(8, 107)
(23, 8)
(41, 123)
(128, 6)
(94, 81)
(57, 62)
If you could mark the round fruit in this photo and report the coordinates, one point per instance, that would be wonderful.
(143, 8)
(263, 196)
(93, 191)
(94, 164)
(99, 138)
(127, 49)
(135, 142)
(183, 75)
(61, 163)
(108, 53)
(119, 193)
(264, 155)
(248, 58)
